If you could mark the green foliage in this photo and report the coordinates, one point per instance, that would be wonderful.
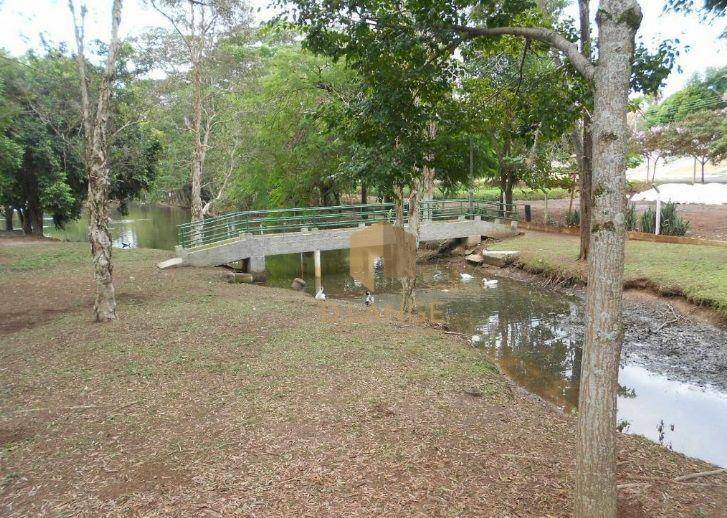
(700, 95)
(702, 135)
(671, 224)
(43, 169)
(650, 69)
(573, 218)
(648, 221)
(631, 219)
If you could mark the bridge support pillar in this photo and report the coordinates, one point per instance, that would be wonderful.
(317, 262)
(256, 264)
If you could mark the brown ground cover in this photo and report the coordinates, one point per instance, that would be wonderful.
(207, 398)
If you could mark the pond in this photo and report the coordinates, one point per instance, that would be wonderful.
(144, 226)
(535, 335)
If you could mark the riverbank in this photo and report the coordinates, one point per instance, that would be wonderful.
(206, 397)
(697, 273)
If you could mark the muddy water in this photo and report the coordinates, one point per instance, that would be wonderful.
(144, 226)
(535, 336)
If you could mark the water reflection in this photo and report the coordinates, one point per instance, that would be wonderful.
(145, 226)
(689, 419)
(535, 337)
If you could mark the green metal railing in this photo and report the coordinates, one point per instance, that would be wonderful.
(230, 225)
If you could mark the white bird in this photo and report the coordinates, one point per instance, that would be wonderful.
(369, 298)
(466, 277)
(438, 276)
(320, 295)
(489, 283)
(476, 339)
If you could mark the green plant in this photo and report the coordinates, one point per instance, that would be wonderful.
(648, 221)
(671, 224)
(631, 219)
(572, 218)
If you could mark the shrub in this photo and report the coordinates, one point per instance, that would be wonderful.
(671, 223)
(631, 220)
(573, 218)
(648, 221)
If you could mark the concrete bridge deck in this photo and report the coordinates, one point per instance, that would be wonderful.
(253, 235)
(257, 247)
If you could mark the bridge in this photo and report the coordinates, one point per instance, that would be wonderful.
(250, 236)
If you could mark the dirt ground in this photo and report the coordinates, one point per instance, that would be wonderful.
(705, 221)
(206, 398)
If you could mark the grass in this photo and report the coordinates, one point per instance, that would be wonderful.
(211, 398)
(489, 193)
(696, 272)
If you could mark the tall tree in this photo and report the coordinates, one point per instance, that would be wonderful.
(700, 135)
(95, 126)
(583, 140)
(49, 178)
(525, 102)
(440, 24)
(200, 25)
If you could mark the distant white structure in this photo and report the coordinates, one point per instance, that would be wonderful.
(701, 193)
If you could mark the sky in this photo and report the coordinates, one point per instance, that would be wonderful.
(23, 22)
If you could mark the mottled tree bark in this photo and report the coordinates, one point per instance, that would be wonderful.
(408, 284)
(96, 154)
(199, 149)
(618, 21)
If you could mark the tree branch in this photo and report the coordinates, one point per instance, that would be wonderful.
(174, 24)
(552, 38)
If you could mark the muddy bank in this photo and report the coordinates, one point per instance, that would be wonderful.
(667, 340)
(667, 336)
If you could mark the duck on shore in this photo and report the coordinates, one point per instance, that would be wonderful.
(369, 299)
(321, 294)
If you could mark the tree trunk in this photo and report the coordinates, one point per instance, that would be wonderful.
(25, 222)
(618, 21)
(586, 173)
(9, 219)
(509, 185)
(703, 163)
(35, 215)
(408, 284)
(648, 168)
(197, 166)
(364, 194)
(571, 195)
(96, 161)
(694, 172)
